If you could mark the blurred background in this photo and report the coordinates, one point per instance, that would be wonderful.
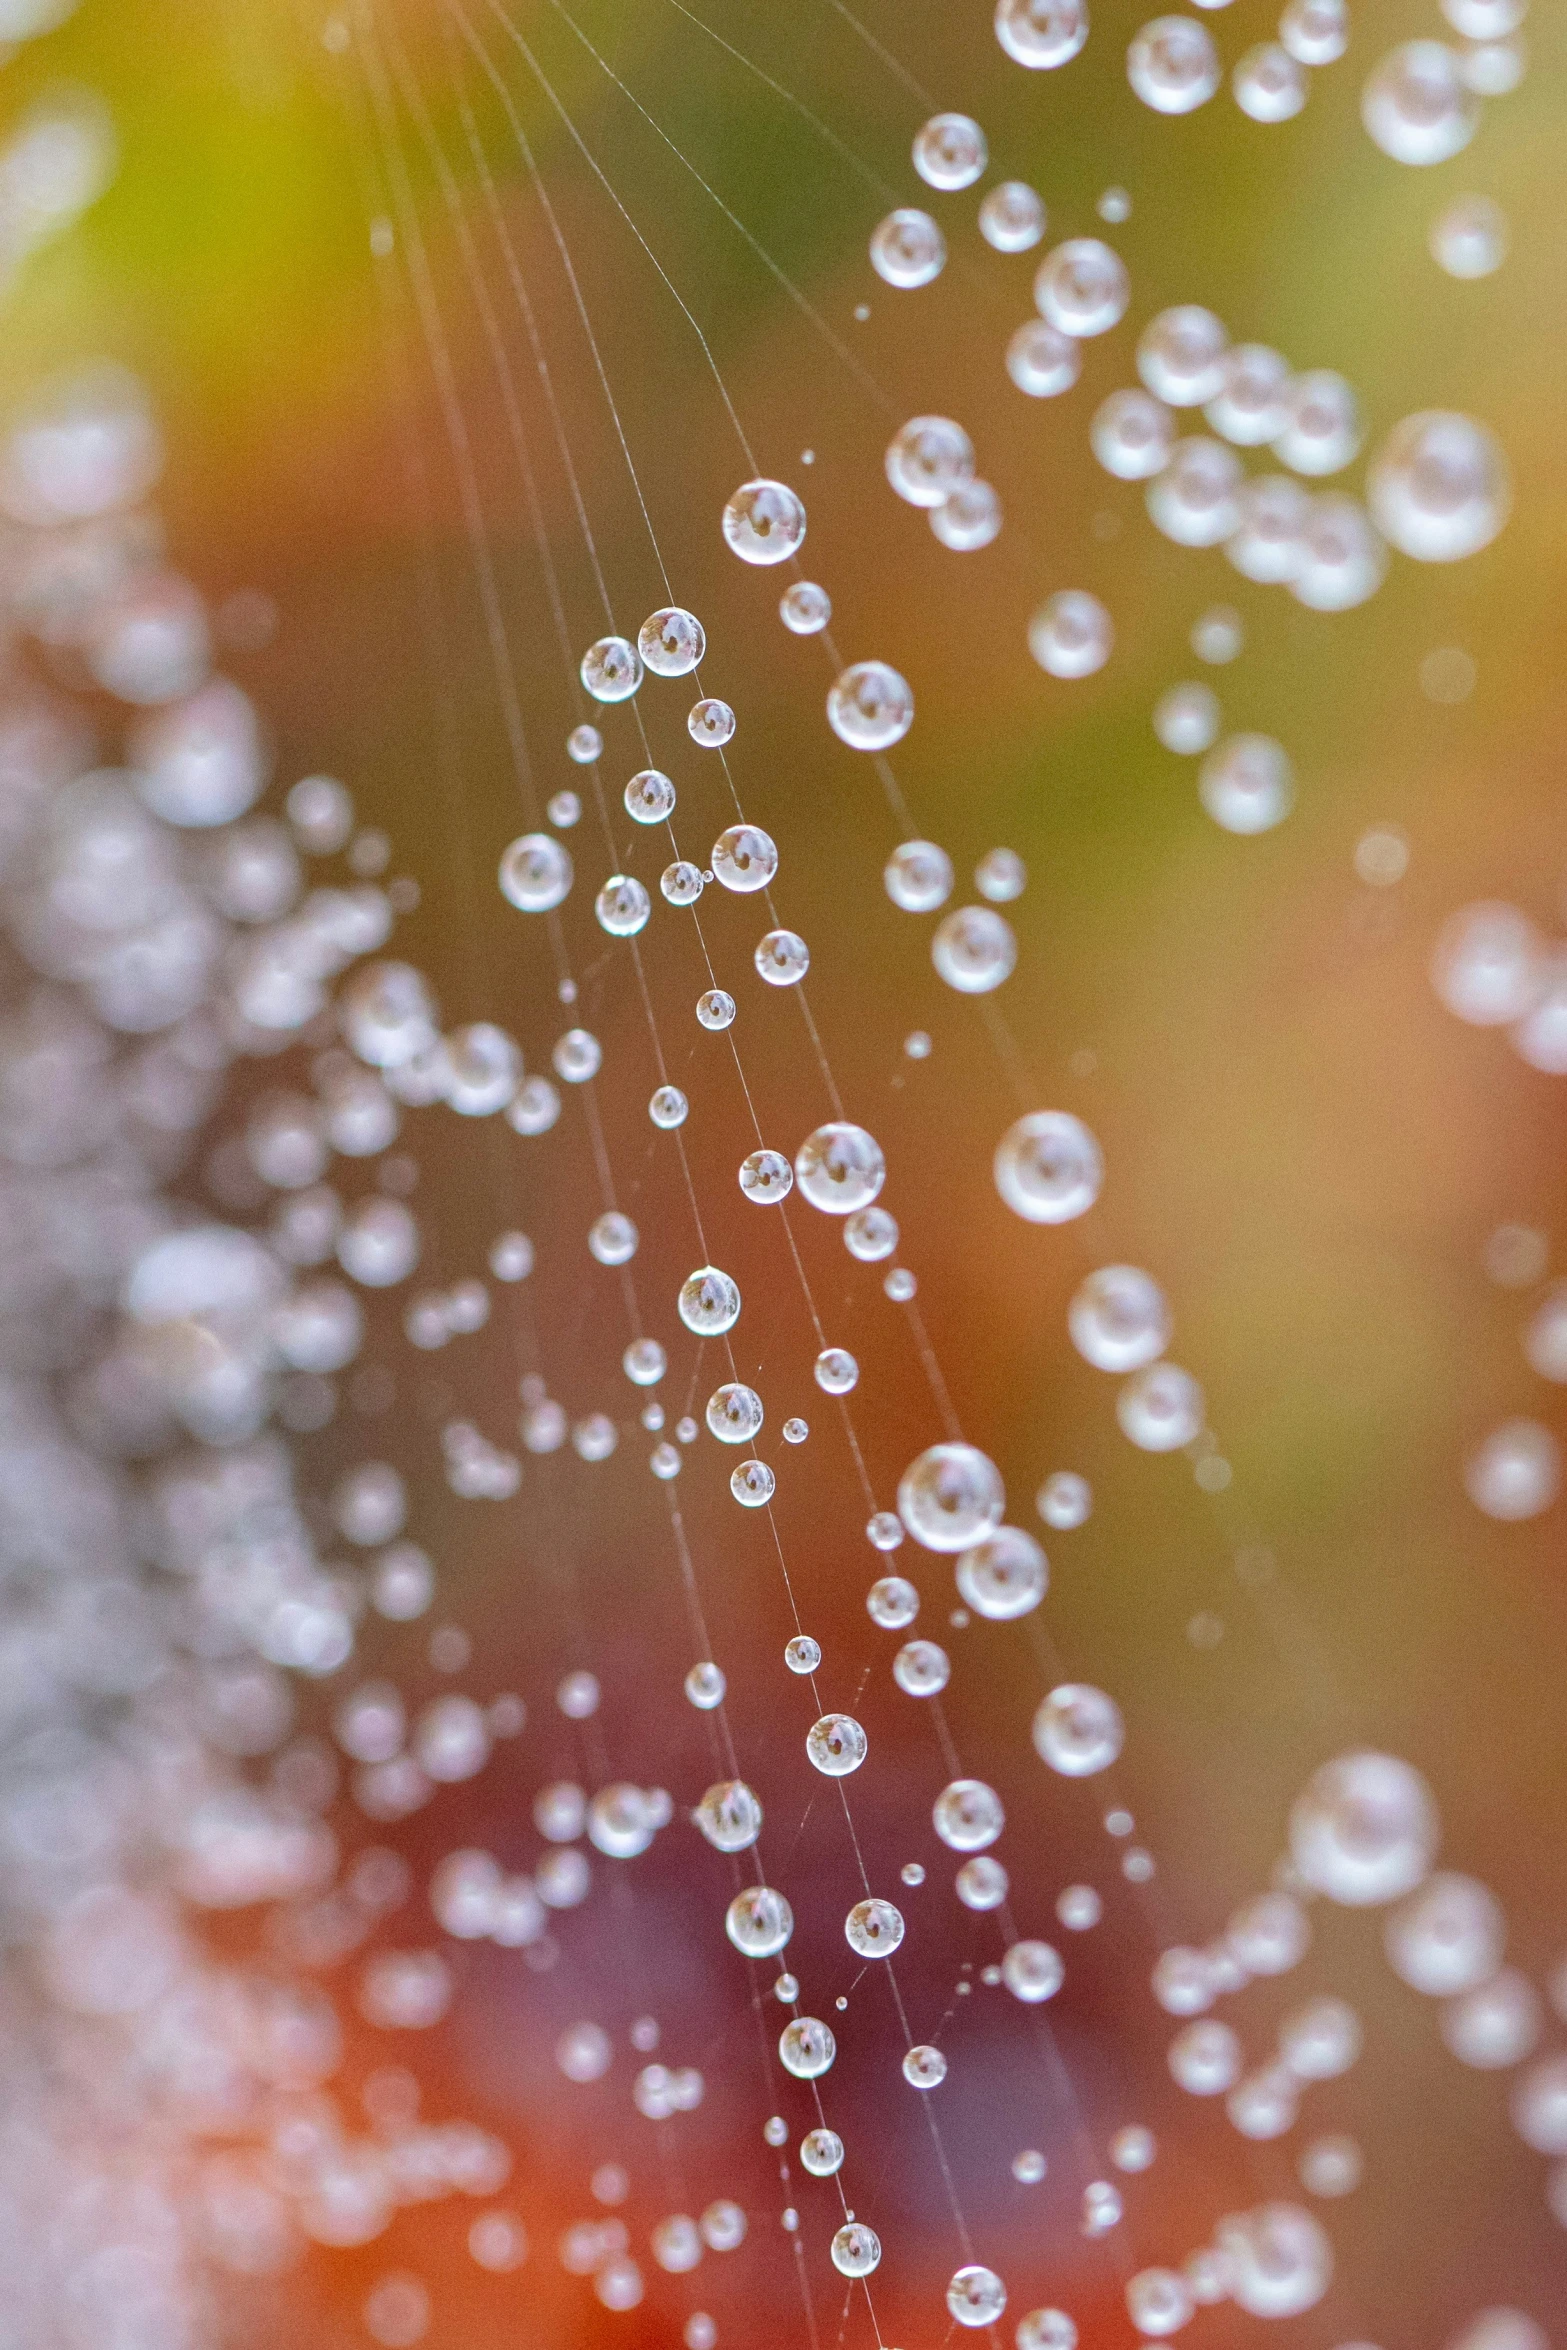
(445, 313)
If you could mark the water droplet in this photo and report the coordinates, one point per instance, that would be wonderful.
(1042, 361)
(764, 522)
(782, 958)
(710, 724)
(752, 1484)
(1011, 217)
(1246, 784)
(1172, 65)
(918, 876)
(1077, 1730)
(805, 608)
(873, 1929)
(759, 1921)
(612, 669)
(709, 1302)
(622, 906)
(729, 1816)
(1041, 34)
(892, 1602)
(870, 707)
(734, 1413)
(744, 858)
(870, 1234)
(1269, 84)
(535, 873)
(976, 2296)
(1081, 288)
(907, 248)
(1439, 487)
(649, 797)
(671, 641)
(1065, 1499)
(974, 950)
(924, 2068)
(766, 1177)
(806, 2047)
(1071, 633)
(836, 1745)
(856, 2250)
(1417, 106)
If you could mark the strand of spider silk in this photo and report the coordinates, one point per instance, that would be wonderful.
(801, 1275)
(446, 387)
(592, 339)
(1148, 1900)
(606, 1182)
(542, 192)
(844, 2206)
(840, 350)
(937, 2144)
(500, 360)
(1066, 2092)
(845, 153)
(434, 634)
(520, 294)
(926, 1352)
(943, 2163)
(927, 1356)
(975, 280)
(601, 1158)
(694, 1609)
(1007, 1053)
(430, 621)
(756, 1129)
(503, 370)
(628, 1286)
(901, 72)
(896, 802)
(522, 1327)
(660, 1062)
(502, 367)
(479, 543)
(1116, 2252)
(454, 9)
(766, 2048)
(823, 1066)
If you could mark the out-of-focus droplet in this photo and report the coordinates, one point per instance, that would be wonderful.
(805, 608)
(1048, 1167)
(1042, 34)
(907, 248)
(870, 707)
(1417, 106)
(1011, 217)
(1173, 65)
(950, 151)
(1071, 634)
(1081, 288)
(1042, 361)
(1270, 83)
(1439, 487)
